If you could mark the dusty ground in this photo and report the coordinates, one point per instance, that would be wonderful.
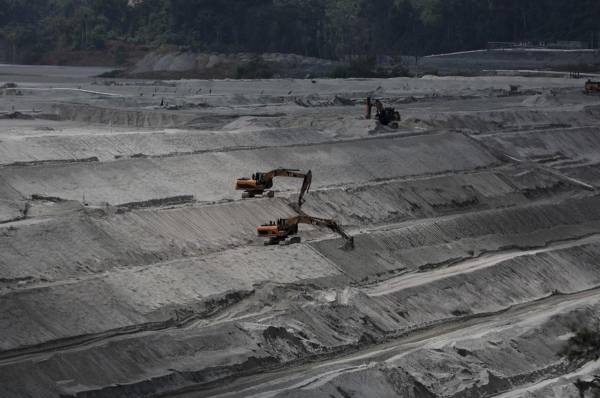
(129, 266)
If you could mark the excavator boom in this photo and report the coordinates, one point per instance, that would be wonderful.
(293, 173)
(329, 223)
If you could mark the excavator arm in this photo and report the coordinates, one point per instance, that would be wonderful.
(329, 223)
(305, 188)
(307, 180)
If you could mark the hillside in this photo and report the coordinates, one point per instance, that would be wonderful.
(47, 31)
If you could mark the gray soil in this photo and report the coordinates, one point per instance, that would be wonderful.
(129, 267)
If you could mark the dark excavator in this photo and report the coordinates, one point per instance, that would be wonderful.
(592, 87)
(385, 116)
(279, 232)
(263, 182)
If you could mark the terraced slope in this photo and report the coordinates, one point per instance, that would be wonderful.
(129, 266)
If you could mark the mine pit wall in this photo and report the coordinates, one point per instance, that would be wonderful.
(152, 117)
(561, 386)
(557, 146)
(11, 210)
(508, 357)
(92, 241)
(348, 162)
(86, 244)
(414, 198)
(524, 117)
(509, 119)
(395, 201)
(163, 293)
(315, 329)
(188, 295)
(12, 203)
(588, 173)
(430, 244)
(140, 296)
(573, 152)
(494, 288)
(120, 117)
(112, 146)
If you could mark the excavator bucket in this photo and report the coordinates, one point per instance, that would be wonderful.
(348, 244)
(348, 240)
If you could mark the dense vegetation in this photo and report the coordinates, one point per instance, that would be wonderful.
(322, 28)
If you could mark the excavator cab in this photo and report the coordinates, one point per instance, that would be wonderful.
(256, 185)
(263, 180)
(278, 232)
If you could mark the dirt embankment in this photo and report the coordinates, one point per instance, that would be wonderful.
(220, 66)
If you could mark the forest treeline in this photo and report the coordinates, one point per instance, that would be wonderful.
(320, 28)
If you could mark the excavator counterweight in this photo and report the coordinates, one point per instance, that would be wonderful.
(261, 182)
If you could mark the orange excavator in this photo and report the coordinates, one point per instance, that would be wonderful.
(279, 232)
(263, 182)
